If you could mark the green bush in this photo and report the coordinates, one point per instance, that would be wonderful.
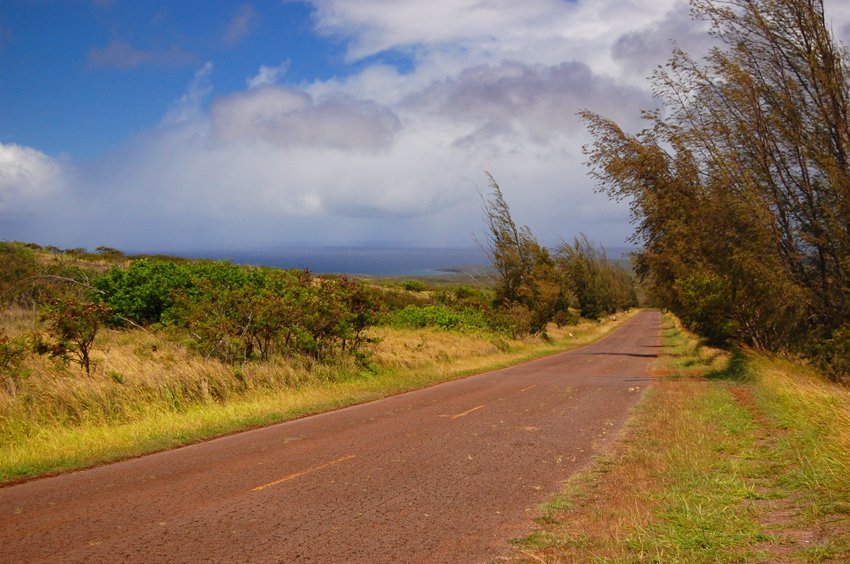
(513, 319)
(414, 286)
(145, 290)
(441, 317)
(466, 293)
(706, 300)
(237, 316)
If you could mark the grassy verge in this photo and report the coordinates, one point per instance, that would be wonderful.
(729, 457)
(148, 395)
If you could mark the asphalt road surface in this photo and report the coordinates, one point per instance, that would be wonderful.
(445, 474)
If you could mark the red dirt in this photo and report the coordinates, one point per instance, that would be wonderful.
(449, 473)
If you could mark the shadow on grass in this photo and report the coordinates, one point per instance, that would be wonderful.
(737, 370)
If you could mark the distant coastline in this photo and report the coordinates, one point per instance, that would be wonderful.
(367, 261)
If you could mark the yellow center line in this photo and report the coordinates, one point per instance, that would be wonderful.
(528, 388)
(307, 471)
(467, 412)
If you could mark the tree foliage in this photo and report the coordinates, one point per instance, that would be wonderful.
(534, 288)
(237, 313)
(74, 324)
(528, 289)
(740, 187)
(600, 287)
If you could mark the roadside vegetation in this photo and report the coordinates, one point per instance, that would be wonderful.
(731, 456)
(535, 286)
(740, 184)
(104, 356)
(740, 194)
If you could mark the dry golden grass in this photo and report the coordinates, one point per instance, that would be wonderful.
(17, 320)
(807, 421)
(417, 348)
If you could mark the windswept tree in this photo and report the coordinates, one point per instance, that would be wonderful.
(528, 291)
(511, 248)
(740, 187)
(600, 287)
(528, 294)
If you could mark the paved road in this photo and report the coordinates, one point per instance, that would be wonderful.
(446, 474)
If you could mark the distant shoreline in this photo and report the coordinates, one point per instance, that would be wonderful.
(366, 261)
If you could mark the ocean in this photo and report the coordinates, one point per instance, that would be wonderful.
(368, 261)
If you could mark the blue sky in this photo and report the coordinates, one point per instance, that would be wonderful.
(80, 76)
(190, 125)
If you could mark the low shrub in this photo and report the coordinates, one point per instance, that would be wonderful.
(441, 317)
(414, 286)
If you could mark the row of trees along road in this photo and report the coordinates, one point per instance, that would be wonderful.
(534, 286)
(740, 185)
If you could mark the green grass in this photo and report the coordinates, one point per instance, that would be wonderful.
(58, 444)
(439, 316)
(728, 457)
(810, 424)
(709, 473)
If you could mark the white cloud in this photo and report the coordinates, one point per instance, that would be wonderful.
(526, 105)
(190, 104)
(267, 75)
(376, 25)
(477, 31)
(838, 19)
(26, 176)
(290, 118)
(641, 51)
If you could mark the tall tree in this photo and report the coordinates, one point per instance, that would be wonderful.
(600, 286)
(740, 188)
(527, 286)
(509, 247)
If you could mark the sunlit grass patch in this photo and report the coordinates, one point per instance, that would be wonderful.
(687, 355)
(707, 465)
